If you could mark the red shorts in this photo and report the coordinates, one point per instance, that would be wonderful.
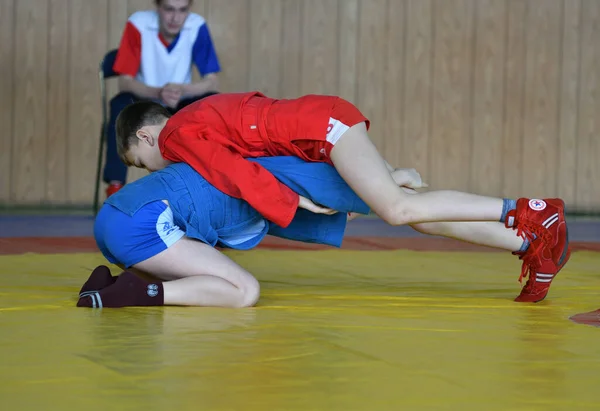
(308, 127)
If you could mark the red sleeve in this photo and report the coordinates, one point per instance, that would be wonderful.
(235, 176)
(129, 55)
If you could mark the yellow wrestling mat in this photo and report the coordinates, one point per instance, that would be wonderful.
(334, 330)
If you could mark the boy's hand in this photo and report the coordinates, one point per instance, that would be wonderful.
(408, 177)
(171, 94)
(317, 209)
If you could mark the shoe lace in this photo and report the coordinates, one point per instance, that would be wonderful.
(530, 262)
(528, 267)
(538, 238)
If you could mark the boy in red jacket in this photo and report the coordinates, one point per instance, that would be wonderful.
(216, 135)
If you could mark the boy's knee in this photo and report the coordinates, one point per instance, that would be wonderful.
(399, 213)
(250, 293)
(428, 228)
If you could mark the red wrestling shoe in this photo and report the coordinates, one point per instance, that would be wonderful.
(113, 188)
(542, 222)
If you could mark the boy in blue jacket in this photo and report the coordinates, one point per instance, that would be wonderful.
(168, 223)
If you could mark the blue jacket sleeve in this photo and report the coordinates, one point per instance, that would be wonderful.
(319, 182)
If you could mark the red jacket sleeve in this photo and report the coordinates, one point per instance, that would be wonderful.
(235, 176)
(129, 56)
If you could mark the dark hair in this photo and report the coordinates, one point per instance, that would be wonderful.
(132, 118)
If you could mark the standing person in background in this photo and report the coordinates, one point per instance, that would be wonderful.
(154, 62)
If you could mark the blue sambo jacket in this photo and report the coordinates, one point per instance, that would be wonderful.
(207, 214)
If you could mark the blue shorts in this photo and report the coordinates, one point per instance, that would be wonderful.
(130, 240)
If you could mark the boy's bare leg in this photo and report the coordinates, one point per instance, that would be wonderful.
(490, 234)
(195, 274)
(485, 233)
(198, 274)
(541, 222)
(541, 265)
(359, 163)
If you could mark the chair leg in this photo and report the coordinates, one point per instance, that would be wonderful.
(99, 170)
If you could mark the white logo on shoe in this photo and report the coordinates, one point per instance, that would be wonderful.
(537, 205)
(153, 290)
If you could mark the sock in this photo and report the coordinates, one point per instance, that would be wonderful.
(507, 205)
(128, 291)
(525, 246)
(99, 279)
(526, 243)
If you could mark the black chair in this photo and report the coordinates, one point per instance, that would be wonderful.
(105, 72)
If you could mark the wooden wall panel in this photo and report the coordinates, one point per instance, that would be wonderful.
(371, 84)
(348, 49)
(392, 131)
(319, 63)
(588, 139)
(87, 19)
(229, 21)
(291, 48)
(452, 75)
(497, 97)
(488, 97)
(569, 91)
(417, 88)
(265, 43)
(199, 6)
(7, 87)
(135, 5)
(514, 94)
(28, 171)
(540, 144)
(57, 101)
